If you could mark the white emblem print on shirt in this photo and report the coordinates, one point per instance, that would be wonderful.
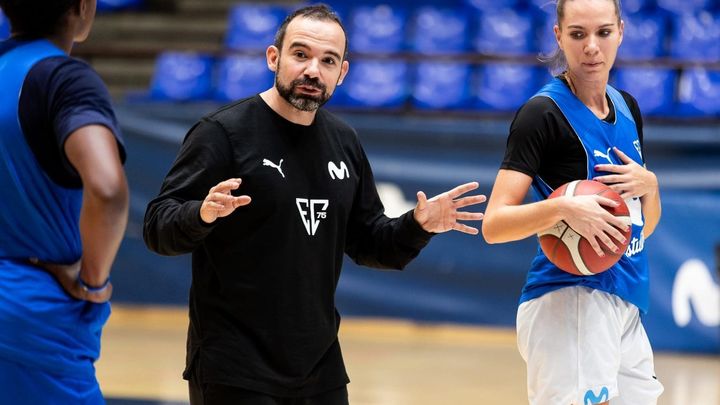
(606, 155)
(311, 212)
(273, 165)
(336, 172)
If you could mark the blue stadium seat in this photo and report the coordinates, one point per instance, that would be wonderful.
(628, 6)
(4, 26)
(240, 76)
(635, 6)
(653, 88)
(440, 30)
(506, 86)
(253, 26)
(696, 37)
(486, 5)
(505, 32)
(181, 76)
(379, 29)
(644, 36)
(699, 92)
(373, 84)
(442, 85)
(543, 7)
(683, 6)
(115, 5)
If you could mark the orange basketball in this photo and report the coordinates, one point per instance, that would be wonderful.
(571, 252)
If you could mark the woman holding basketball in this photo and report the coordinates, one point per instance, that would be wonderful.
(581, 336)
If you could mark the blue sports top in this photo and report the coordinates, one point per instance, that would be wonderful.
(627, 279)
(45, 96)
(39, 218)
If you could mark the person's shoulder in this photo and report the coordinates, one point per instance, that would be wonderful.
(65, 82)
(536, 110)
(47, 69)
(538, 106)
(633, 106)
(333, 121)
(64, 67)
(629, 99)
(65, 75)
(230, 113)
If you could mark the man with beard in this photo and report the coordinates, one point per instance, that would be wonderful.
(263, 324)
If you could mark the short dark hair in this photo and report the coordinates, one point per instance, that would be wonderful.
(37, 18)
(320, 12)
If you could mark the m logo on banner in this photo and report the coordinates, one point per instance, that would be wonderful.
(310, 214)
(695, 289)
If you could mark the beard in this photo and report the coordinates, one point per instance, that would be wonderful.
(303, 102)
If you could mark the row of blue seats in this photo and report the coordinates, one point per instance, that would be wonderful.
(628, 6)
(391, 84)
(387, 28)
(116, 5)
(383, 28)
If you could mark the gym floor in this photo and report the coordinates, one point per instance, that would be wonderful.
(390, 362)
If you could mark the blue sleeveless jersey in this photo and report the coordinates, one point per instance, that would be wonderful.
(39, 218)
(42, 327)
(627, 279)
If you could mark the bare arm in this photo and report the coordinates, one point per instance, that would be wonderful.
(93, 151)
(652, 209)
(508, 219)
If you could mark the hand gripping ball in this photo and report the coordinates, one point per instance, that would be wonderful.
(571, 252)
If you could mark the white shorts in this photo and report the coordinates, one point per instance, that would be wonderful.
(584, 346)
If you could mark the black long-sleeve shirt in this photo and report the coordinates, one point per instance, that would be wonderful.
(262, 300)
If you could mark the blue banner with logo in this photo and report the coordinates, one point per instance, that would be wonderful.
(685, 293)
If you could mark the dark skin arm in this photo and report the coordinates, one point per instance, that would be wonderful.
(93, 151)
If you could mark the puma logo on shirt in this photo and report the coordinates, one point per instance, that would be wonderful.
(266, 162)
(606, 155)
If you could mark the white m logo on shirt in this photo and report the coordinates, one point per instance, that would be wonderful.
(338, 172)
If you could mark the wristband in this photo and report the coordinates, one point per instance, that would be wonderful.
(90, 289)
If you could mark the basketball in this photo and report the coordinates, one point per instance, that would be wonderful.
(571, 252)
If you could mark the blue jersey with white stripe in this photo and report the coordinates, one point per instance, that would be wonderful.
(628, 278)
